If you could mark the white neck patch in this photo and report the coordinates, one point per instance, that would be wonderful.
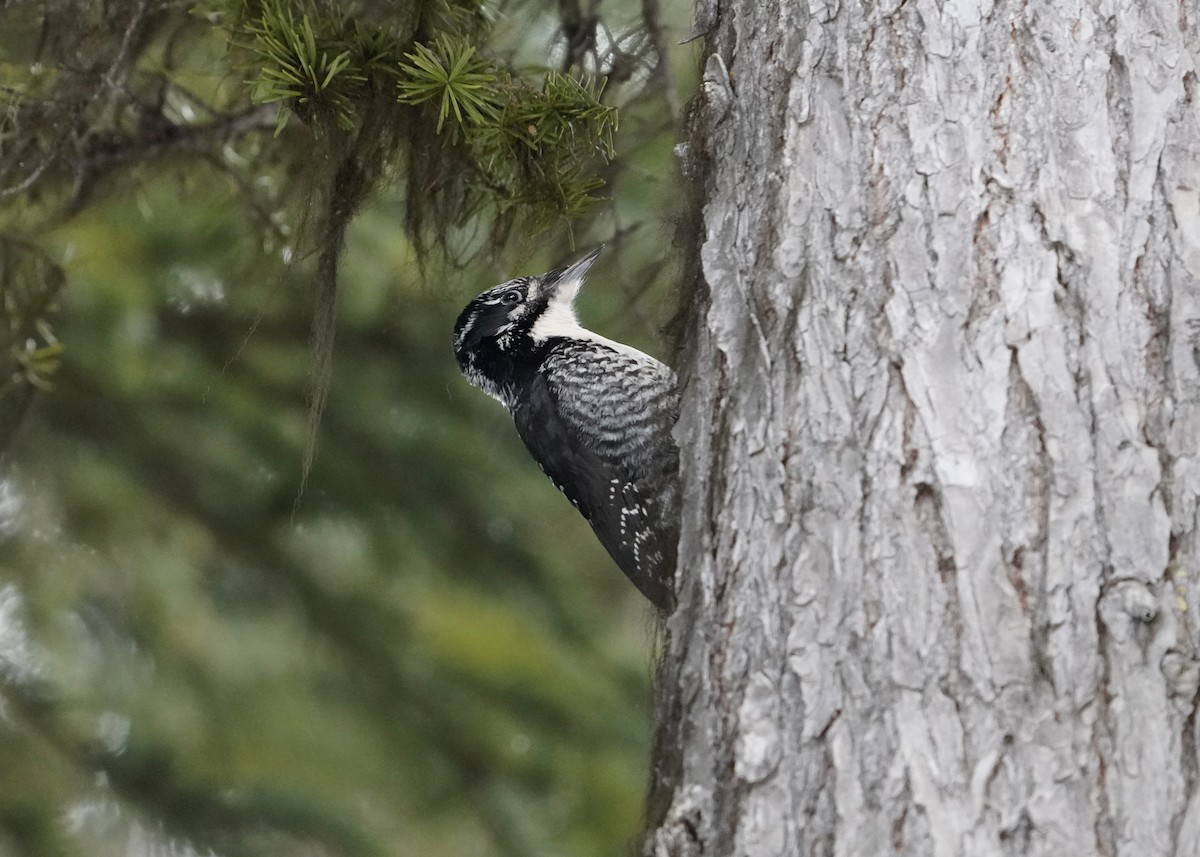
(559, 320)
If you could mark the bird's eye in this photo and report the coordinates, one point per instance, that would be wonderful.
(511, 297)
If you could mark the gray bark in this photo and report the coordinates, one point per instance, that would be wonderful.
(940, 432)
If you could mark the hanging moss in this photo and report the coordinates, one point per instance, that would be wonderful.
(370, 93)
(364, 93)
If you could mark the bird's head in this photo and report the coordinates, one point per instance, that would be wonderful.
(510, 321)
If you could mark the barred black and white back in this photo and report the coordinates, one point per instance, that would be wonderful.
(595, 414)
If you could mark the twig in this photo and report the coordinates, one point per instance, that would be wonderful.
(662, 69)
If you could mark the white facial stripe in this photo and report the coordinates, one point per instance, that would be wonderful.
(466, 328)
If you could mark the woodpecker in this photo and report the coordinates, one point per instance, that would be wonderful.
(595, 414)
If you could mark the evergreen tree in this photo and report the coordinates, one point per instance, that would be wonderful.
(418, 655)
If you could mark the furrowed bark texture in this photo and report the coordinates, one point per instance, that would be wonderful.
(941, 425)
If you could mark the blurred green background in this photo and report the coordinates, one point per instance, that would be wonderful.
(430, 653)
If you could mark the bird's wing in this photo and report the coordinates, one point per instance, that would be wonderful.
(599, 423)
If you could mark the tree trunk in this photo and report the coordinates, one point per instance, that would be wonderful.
(940, 435)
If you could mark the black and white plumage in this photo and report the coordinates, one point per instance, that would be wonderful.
(596, 415)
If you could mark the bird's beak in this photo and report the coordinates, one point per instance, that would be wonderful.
(563, 283)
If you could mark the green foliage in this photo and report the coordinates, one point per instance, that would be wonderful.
(540, 146)
(294, 70)
(458, 79)
(29, 284)
(339, 78)
(434, 656)
(532, 140)
(29, 351)
(316, 62)
(529, 144)
(431, 654)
